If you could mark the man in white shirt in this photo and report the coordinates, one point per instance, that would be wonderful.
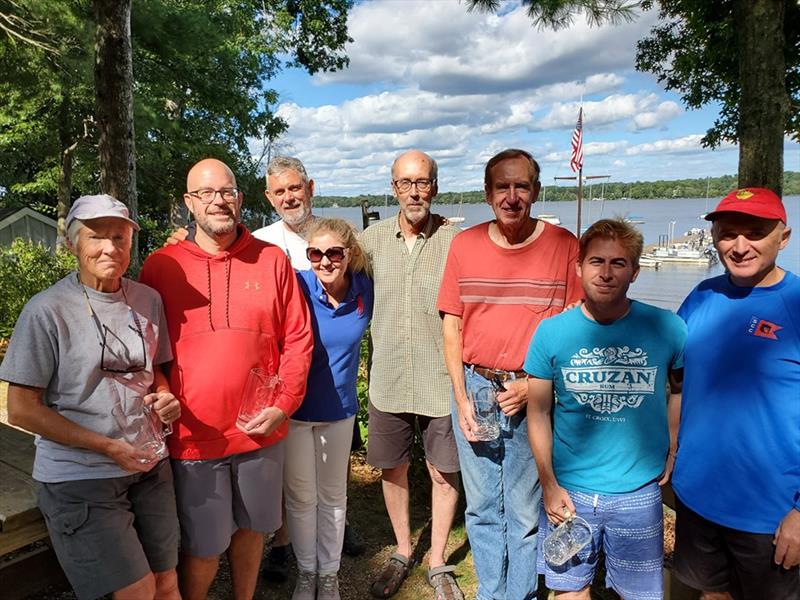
(289, 190)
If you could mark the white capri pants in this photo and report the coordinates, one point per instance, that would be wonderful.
(315, 491)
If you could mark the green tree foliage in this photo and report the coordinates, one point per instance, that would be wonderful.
(558, 14)
(21, 26)
(695, 50)
(201, 72)
(44, 98)
(742, 54)
(25, 270)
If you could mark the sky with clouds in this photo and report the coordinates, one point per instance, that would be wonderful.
(462, 86)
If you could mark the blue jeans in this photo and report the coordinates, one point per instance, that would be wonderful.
(503, 499)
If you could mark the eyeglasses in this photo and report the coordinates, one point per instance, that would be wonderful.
(335, 254)
(133, 366)
(207, 195)
(404, 185)
(112, 361)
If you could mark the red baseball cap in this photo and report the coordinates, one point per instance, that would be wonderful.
(757, 202)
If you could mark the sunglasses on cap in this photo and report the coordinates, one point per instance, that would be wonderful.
(335, 254)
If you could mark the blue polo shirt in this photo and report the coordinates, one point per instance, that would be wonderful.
(331, 392)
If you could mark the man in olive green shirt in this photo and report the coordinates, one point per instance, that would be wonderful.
(409, 384)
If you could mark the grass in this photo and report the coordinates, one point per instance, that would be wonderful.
(367, 513)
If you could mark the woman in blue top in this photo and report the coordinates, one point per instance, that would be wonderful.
(340, 296)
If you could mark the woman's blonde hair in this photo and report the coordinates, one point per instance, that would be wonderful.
(345, 232)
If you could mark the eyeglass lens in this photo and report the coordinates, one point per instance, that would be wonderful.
(423, 185)
(207, 195)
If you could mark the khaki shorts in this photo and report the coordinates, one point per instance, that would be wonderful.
(218, 496)
(391, 435)
(109, 533)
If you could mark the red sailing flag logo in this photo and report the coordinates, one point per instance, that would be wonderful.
(766, 329)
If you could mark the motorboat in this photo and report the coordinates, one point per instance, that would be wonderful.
(650, 263)
(683, 253)
(549, 218)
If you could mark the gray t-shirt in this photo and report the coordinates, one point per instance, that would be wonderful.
(58, 344)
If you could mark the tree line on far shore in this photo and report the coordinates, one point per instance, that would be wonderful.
(713, 187)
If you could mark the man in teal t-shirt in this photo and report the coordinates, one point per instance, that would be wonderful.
(609, 446)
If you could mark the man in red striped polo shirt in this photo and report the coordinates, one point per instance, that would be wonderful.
(501, 280)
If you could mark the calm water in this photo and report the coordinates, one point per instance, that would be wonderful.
(666, 287)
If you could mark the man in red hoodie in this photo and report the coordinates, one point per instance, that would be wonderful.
(232, 304)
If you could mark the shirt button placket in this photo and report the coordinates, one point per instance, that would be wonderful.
(408, 318)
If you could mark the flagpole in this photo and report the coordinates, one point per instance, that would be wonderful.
(576, 163)
(580, 202)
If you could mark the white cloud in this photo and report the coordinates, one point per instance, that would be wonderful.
(644, 110)
(441, 47)
(463, 86)
(689, 143)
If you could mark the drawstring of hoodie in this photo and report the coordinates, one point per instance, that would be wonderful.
(227, 293)
(208, 279)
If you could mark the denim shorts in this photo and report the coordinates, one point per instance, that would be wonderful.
(629, 529)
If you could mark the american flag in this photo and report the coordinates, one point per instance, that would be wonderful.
(576, 162)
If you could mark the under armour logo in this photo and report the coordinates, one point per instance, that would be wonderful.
(763, 328)
(252, 285)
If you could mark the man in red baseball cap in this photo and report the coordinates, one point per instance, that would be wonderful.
(737, 476)
(756, 202)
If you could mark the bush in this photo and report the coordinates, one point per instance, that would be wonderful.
(25, 270)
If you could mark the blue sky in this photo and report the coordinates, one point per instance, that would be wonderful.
(462, 86)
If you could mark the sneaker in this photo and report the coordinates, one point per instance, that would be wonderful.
(305, 588)
(328, 587)
(276, 568)
(353, 545)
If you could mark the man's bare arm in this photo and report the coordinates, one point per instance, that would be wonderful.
(179, 235)
(673, 419)
(540, 437)
(451, 325)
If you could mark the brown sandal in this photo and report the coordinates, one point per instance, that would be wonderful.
(444, 584)
(391, 578)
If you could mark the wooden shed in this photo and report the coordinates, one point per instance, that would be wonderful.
(28, 224)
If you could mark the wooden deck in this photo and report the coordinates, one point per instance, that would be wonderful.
(30, 568)
(21, 523)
